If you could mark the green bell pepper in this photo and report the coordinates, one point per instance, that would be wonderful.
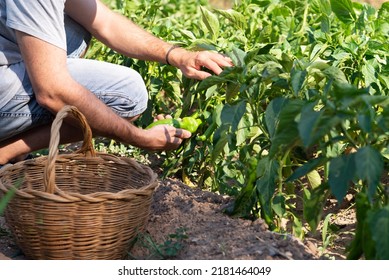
(188, 123)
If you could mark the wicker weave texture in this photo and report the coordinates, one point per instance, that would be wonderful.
(77, 206)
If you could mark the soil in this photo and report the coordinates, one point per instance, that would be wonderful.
(188, 223)
(210, 234)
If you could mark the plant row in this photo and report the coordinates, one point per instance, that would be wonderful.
(302, 115)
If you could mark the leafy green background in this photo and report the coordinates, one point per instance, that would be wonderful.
(302, 116)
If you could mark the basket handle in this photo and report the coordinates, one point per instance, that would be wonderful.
(87, 145)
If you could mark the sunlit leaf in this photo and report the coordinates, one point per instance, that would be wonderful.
(237, 19)
(314, 179)
(211, 22)
(344, 10)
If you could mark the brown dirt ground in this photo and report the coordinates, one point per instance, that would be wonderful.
(210, 233)
(188, 223)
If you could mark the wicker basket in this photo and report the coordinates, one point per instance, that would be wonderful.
(77, 206)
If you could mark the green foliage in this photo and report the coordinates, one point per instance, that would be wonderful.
(306, 101)
(168, 249)
(5, 198)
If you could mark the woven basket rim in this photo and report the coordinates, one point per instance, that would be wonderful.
(86, 154)
(66, 196)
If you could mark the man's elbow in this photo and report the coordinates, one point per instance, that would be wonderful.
(49, 100)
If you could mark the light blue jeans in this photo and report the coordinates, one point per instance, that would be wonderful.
(119, 87)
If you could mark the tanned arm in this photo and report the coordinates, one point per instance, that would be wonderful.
(54, 87)
(122, 35)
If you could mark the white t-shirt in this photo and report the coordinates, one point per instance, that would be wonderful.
(43, 19)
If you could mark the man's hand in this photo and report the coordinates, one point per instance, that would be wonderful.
(163, 137)
(191, 63)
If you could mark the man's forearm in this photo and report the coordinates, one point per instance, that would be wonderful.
(132, 41)
(102, 119)
(116, 31)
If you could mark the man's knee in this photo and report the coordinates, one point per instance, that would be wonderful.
(134, 118)
(77, 38)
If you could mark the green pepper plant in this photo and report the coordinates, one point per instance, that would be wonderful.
(302, 115)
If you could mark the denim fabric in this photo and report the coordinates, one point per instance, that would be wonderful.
(119, 87)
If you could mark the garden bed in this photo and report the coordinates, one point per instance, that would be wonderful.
(188, 223)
